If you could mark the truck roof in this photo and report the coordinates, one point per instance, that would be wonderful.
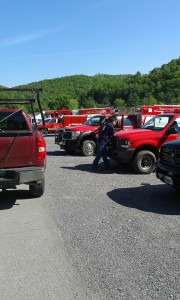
(10, 109)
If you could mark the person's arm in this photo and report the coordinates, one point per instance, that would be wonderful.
(112, 130)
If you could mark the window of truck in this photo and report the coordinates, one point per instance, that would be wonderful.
(127, 121)
(94, 121)
(157, 123)
(48, 120)
(176, 125)
(12, 121)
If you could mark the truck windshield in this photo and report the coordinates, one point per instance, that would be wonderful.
(157, 123)
(49, 120)
(94, 121)
(12, 121)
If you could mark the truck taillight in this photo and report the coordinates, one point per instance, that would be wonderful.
(41, 153)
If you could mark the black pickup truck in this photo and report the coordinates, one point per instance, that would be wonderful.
(168, 165)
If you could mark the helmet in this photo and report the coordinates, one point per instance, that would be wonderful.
(112, 119)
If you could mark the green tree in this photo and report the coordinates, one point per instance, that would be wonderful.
(53, 104)
(119, 103)
(90, 103)
(176, 101)
(73, 104)
(63, 100)
(149, 101)
(162, 83)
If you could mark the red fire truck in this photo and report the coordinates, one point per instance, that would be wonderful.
(95, 111)
(52, 124)
(58, 112)
(146, 112)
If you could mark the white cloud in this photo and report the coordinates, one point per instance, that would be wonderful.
(20, 39)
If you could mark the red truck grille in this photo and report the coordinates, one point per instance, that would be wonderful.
(67, 134)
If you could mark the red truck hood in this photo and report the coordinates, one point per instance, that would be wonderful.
(138, 134)
(82, 128)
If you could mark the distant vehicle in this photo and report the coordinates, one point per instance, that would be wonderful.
(47, 120)
(52, 124)
(56, 113)
(95, 111)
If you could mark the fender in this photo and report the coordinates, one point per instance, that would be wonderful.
(148, 147)
(145, 143)
(89, 134)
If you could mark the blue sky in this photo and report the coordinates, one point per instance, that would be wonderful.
(46, 39)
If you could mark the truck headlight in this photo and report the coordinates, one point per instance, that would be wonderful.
(75, 134)
(123, 143)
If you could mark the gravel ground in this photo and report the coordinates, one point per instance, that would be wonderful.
(120, 229)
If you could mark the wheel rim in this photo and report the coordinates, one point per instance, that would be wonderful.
(89, 148)
(146, 162)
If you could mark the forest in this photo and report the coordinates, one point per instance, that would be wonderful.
(160, 86)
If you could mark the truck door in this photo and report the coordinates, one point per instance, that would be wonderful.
(172, 132)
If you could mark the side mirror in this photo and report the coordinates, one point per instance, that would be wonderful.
(171, 130)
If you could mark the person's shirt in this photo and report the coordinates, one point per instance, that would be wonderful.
(107, 133)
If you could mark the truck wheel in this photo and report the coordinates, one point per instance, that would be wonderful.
(144, 162)
(37, 189)
(88, 148)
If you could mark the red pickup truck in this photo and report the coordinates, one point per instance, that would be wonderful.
(84, 137)
(22, 148)
(140, 147)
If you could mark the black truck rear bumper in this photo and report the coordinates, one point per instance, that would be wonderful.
(17, 176)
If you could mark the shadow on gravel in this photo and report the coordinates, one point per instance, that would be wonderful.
(160, 199)
(62, 153)
(117, 169)
(56, 153)
(9, 197)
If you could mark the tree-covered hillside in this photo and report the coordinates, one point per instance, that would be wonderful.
(161, 85)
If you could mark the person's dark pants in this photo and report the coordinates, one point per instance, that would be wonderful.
(101, 152)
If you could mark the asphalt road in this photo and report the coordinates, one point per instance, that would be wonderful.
(105, 235)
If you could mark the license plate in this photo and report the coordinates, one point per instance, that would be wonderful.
(168, 180)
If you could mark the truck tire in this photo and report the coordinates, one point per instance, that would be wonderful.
(144, 162)
(37, 189)
(88, 148)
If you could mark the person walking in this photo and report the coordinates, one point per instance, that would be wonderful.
(103, 139)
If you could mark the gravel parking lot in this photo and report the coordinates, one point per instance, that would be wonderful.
(120, 229)
(91, 236)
